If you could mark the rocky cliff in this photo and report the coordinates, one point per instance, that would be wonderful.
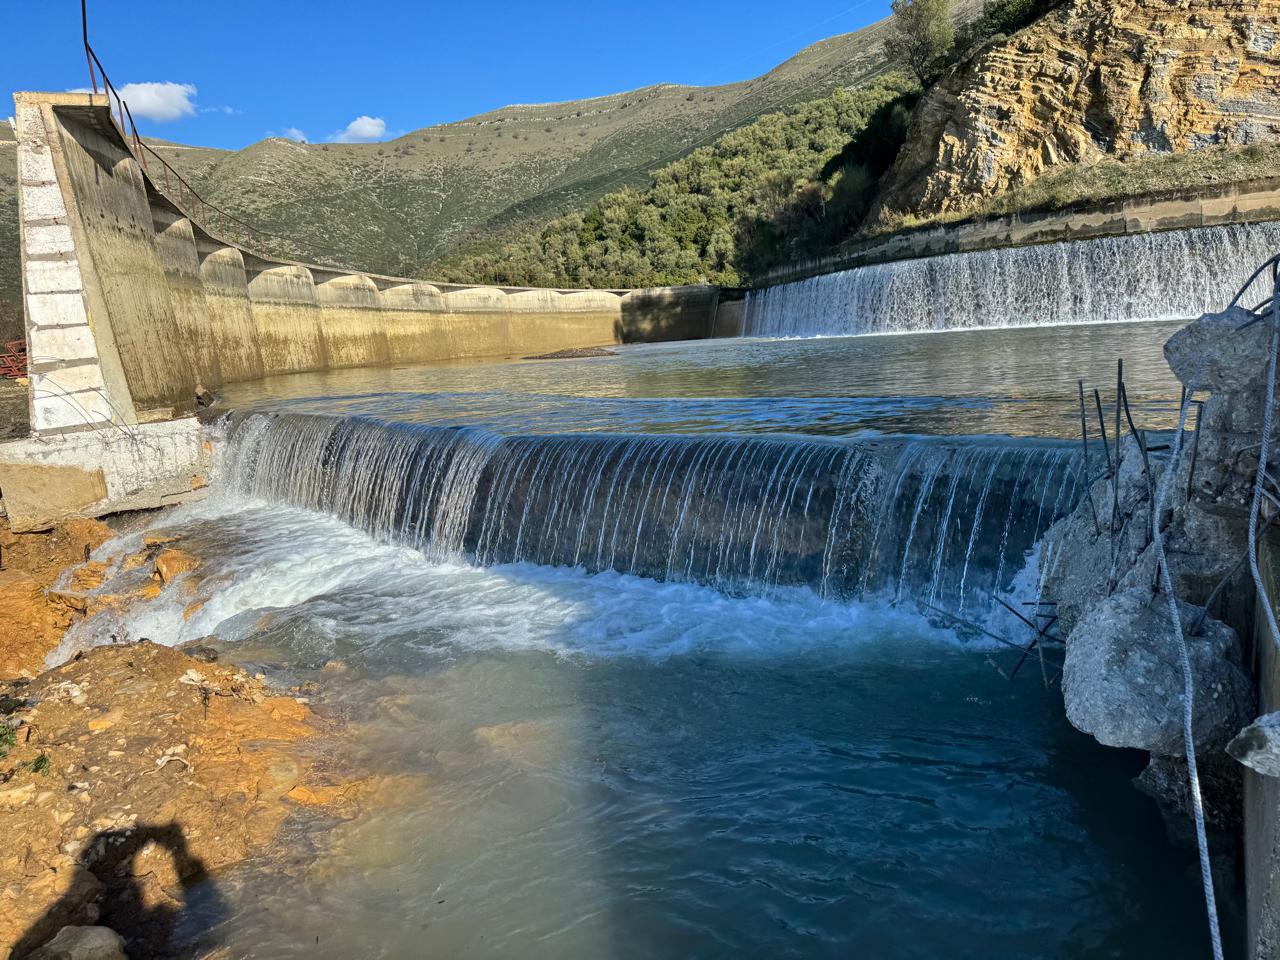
(1094, 78)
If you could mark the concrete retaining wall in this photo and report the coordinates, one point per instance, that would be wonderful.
(669, 313)
(154, 306)
(228, 310)
(176, 247)
(1262, 794)
(123, 275)
(89, 473)
(286, 317)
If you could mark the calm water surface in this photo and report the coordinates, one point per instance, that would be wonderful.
(1017, 382)
(597, 765)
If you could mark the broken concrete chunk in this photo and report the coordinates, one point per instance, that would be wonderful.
(1123, 681)
(1257, 746)
(1215, 354)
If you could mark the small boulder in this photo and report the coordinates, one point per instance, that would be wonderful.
(171, 563)
(1257, 746)
(575, 353)
(1122, 681)
(1219, 353)
(82, 943)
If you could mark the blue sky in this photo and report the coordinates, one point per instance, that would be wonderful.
(230, 73)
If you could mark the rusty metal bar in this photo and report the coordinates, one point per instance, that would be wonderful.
(1084, 443)
(1102, 426)
(1195, 447)
(88, 54)
(188, 200)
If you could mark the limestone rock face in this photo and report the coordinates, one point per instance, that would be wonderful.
(1122, 681)
(1094, 78)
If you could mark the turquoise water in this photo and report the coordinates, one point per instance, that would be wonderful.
(606, 766)
(610, 753)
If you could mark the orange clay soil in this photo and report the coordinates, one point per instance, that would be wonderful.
(130, 773)
(31, 623)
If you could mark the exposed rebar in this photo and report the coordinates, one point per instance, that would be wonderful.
(1084, 442)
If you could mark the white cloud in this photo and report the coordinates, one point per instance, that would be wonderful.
(290, 133)
(228, 111)
(361, 130)
(162, 102)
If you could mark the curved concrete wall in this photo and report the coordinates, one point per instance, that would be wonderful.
(412, 312)
(228, 309)
(282, 298)
(176, 248)
(352, 323)
(163, 305)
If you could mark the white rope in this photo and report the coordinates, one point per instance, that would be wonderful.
(1263, 599)
(1188, 682)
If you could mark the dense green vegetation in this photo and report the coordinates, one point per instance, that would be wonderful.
(786, 187)
(1001, 18)
(769, 189)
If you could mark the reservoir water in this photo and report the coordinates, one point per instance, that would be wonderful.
(643, 651)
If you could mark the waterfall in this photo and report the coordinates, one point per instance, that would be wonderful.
(939, 522)
(1176, 275)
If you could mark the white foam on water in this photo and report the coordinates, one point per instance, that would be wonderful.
(265, 565)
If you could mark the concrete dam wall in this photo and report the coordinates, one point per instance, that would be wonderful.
(132, 306)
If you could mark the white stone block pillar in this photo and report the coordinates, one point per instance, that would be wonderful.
(67, 389)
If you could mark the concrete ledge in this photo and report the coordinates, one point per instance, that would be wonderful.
(1251, 201)
(669, 313)
(44, 480)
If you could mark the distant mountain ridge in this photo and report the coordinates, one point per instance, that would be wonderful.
(404, 206)
(409, 206)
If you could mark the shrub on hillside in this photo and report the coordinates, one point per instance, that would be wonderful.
(1001, 18)
(712, 214)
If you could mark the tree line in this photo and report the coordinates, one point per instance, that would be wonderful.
(785, 187)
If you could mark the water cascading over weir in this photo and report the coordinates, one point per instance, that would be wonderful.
(1172, 275)
(933, 521)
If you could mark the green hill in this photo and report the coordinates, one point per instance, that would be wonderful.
(437, 194)
(755, 196)
(421, 204)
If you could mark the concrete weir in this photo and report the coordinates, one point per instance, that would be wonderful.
(132, 308)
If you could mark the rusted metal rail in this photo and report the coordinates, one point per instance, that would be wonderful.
(13, 362)
(178, 190)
